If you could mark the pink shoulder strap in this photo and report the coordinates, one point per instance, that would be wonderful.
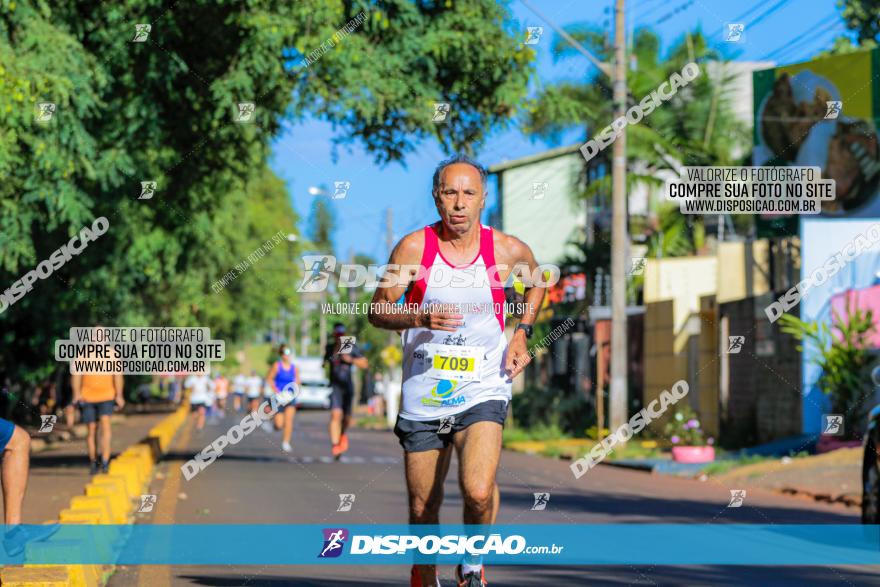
(487, 251)
(416, 293)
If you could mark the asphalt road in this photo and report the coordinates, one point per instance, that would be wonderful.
(254, 482)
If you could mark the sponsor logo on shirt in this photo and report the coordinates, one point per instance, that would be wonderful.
(441, 395)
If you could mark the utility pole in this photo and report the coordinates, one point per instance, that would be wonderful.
(617, 392)
(619, 233)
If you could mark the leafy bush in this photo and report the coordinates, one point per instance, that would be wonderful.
(843, 354)
(683, 429)
(540, 432)
(535, 408)
(723, 466)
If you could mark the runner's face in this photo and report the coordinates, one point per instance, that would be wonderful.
(459, 198)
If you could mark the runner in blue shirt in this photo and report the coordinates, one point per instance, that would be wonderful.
(284, 379)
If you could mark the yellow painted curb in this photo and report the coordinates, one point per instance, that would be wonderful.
(69, 516)
(52, 576)
(77, 575)
(128, 473)
(101, 504)
(140, 469)
(141, 450)
(116, 481)
(119, 506)
(109, 498)
(136, 464)
(39, 576)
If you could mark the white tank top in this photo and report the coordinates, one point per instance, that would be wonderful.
(446, 373)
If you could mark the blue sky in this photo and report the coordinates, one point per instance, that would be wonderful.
(786, 31)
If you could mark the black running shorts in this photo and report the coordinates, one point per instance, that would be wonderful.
(342, 396)
(419, 436)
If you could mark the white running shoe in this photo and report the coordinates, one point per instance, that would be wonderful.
(285, 446)
(268, 428)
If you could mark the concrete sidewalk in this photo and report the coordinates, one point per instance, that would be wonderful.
(832, 477)
(62, 470)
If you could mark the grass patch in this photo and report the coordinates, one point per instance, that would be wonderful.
(725, 465)
(553, 451)
(634, 450)
(371, 422)
(537, 433)
(551, 441)
(255, 357)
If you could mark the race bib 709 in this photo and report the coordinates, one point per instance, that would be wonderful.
(445, 361)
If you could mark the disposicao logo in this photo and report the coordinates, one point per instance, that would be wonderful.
(402, 544)
(334, 541)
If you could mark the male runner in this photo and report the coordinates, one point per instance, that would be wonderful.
(341, 354)
(97, 394)
(457, 365)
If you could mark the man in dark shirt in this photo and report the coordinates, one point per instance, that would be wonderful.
(341, 355)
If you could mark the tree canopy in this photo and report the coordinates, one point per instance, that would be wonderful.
(168, 109)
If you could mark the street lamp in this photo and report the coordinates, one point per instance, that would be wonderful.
(322, 320)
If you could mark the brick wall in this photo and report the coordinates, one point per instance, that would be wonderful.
(764, 401)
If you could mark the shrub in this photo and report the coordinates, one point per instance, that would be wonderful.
(540, 408)
(684, 429)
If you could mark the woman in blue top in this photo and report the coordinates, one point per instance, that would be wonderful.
(284, 379)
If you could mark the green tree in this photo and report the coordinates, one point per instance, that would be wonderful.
(165, 110)
(695, 127)
(842, 352)
(676, 235)
(863, 18)
(270, 266)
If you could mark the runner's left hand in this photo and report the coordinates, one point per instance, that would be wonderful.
(120, 401)
(517, 355)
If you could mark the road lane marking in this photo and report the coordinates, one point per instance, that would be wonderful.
(344, 460)
(150, 575)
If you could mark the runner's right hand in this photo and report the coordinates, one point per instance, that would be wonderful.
(436, 320)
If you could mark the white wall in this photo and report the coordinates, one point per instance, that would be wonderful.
(547, 224)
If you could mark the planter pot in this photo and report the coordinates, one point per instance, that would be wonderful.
(693, 454)
(829, 443)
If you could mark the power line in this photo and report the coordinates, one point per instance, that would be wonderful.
(603, 67)
(758, 18)
(669, 15)
(788, 44)
(788, 47)
(648, 11)
(767, 13)
(742, 16)
(786, 55)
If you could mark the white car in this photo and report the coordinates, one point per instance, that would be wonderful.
(314, 388)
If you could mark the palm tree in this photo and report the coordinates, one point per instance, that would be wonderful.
(695, 127)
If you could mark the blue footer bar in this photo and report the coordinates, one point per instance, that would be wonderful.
(522, 544)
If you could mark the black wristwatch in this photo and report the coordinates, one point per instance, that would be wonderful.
(527, 328)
